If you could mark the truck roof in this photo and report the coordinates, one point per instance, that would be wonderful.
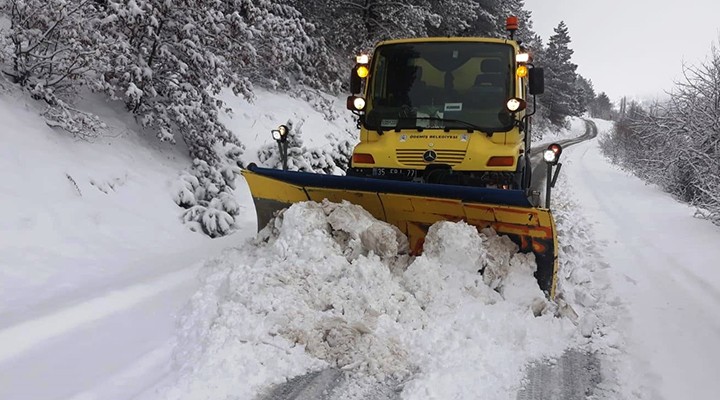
(449, 39)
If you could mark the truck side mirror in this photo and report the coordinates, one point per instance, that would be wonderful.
(355, 81)
(537, 81)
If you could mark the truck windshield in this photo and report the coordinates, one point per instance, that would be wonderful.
(429, 85)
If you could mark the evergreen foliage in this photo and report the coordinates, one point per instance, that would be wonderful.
(561, 88)
(601, 107)
(585, 94)
(351, 26)
(205, 192)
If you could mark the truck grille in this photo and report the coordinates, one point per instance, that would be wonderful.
(414, 157)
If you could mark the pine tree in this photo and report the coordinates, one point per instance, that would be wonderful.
(350, 26)
(586, 95)
(453, 17)
(601, 106)
(561, 89)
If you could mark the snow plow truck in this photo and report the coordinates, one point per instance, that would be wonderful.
(444, 135)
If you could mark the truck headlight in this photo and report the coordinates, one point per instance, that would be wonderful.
(515, 104)
(356, 103)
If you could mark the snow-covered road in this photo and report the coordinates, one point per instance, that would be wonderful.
(665, 266)
(109, 345)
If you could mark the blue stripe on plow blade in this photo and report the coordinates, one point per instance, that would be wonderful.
(469, 194)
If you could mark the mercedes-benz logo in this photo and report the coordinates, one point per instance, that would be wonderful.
(429, 156)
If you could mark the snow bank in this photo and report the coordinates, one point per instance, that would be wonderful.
(328, 285)
(81, 215)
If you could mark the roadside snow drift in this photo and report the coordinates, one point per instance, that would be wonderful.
(328, 285)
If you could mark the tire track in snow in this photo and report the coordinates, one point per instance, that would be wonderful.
(21, 337)
(148, 364)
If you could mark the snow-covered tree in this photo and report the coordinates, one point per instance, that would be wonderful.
(50, 45)
(165, 61)
(585, 94)
(601, 106)
(561, 89)
(453, 17)
(169, 60)
(50, 50)
(349, 26)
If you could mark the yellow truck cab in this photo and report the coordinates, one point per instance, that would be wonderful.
(444, 110)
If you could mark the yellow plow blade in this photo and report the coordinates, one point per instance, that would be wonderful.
(414, 207)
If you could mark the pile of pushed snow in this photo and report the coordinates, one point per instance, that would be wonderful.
(329, 285)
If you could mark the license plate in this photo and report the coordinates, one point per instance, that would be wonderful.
(394, 172)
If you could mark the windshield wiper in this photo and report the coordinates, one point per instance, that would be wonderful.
(469, 126)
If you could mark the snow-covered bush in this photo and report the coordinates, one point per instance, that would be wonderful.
(320, 102)
(50, 50)
(205, 192)
(79, 123)
(343, 154)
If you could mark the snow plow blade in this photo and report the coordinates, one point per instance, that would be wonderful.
(414, 207)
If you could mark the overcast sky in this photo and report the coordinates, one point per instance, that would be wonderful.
(632, 47)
